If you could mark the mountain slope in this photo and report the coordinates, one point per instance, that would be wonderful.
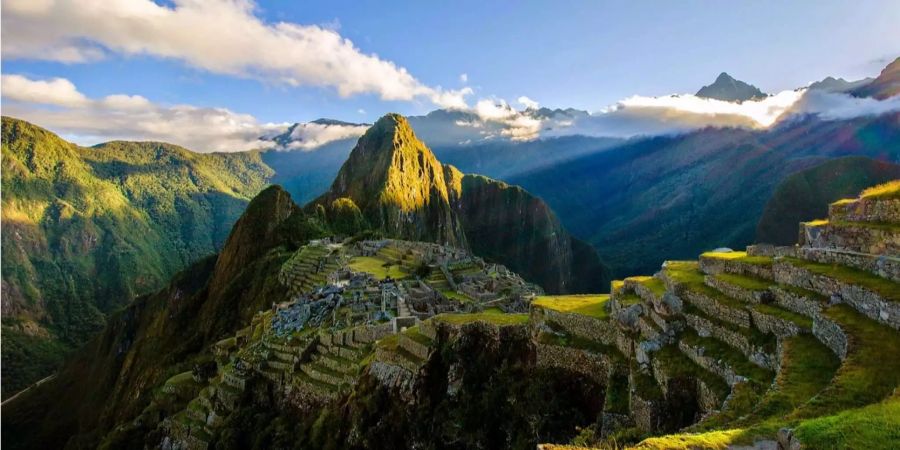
(404, 191)
(85, 230)
(805, 195)
(163, 334)
(886, 84)
(398, 184)
(728, 89)
(673, 197)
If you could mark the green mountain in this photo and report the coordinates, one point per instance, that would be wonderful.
(86, 230)
(672, 197)
(805, 195)
(404, 191)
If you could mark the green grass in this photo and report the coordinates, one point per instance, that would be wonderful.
(415, 334)
(563, 339)
(677, 364)
(800, 320)
(453, 295)
(719, 350)
(655, 285)
(494, 317)
(887, 190)
(688, 273)
(588, 305)
(870, 372)
(376, 267)
(881, 286)
(617, 393)
(691, 441)
(739, 257)
(872, 427)
(745, 282)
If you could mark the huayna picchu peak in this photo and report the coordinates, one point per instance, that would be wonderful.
(730, 90)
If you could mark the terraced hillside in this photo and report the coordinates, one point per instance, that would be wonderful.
(775, 347)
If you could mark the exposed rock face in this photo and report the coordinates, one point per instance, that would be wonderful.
(730, 90)
(887, 84)
(405, 192)
(398, 184)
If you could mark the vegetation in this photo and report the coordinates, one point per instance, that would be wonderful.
(378, 267)
(588, 305)
(739, 257)
(806, 194)
(492, 317)
(890, 189)
(881, 286)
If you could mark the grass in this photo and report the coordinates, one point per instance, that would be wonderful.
(745, 282)
(617, 400)
(800, 320)
(881, 286)
(678, 365)
(415, 334)
(739, 257)
(453, 295)
(688, 274)
(629, 299)
(563, 339)
(690, 441)
(588, 305)
(377, 267)
(719, 350)
(816, 223)
(495, 317)
(870, 372)
(887, 190)
(872, 427)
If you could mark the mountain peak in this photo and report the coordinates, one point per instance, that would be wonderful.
(729, 89)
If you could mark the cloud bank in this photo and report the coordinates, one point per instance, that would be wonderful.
(223, 37)
(59, 106)
(310, 136)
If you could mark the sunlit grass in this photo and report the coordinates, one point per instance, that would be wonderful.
(588, 305)
(891, 189)
(379, 268)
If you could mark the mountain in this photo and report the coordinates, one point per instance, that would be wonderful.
(805, 195)
(404, 191)
(728, 89)
(165, 333)
(736, 348)
(86, 230)
(832, 84)
(671, 197)
(886, 84)
(399, 185)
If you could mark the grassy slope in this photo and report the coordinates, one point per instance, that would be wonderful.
(85, 230)
(805, 195)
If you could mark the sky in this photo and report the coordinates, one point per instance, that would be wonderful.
(95, 69)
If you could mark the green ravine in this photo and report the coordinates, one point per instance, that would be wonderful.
(86, 230)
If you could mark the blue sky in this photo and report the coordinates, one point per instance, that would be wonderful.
(562, 54)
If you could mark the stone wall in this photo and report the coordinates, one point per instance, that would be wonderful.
(852, 237)
(418, 349)
(597, 330)
(831, 334)
(865, 301)
(881, 265)
(866, 210)
(737, 316)
(592, 365)
(712, 265)
(774, 325)
(737, 292)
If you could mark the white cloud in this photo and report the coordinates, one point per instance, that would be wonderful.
(528, 103)
(61, 108)
(224, 37)
(837, 106)
(308, 136)
(58, 91)
(361, 111)
(464, 77)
